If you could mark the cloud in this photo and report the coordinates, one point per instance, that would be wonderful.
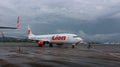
(99, 18)
(63, 31)
(76, 9)
(99, 37)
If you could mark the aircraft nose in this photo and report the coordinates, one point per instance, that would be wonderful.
(79, 39)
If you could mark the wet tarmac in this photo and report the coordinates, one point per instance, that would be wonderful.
(29, 55)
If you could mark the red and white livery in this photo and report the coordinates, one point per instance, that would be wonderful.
(17, 25)
(58, 39)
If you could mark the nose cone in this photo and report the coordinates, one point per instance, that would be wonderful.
(80, 40)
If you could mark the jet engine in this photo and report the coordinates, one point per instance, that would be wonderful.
(40, 43)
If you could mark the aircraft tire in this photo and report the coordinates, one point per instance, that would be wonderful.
(73, 46)
(50, 45)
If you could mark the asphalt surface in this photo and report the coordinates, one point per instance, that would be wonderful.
(29, 55)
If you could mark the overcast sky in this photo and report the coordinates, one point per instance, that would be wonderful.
(97, 20)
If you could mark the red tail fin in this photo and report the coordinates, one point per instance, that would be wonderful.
(29, 30)
(18, 22)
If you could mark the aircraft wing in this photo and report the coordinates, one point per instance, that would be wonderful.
(8, 27)
(17, 25)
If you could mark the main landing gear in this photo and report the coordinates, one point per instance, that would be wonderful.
(50, 45)
(73, 45)
(44, 43)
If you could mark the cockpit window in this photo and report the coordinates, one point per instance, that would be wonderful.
(75, 36)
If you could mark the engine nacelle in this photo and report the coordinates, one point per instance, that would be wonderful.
(40, 43)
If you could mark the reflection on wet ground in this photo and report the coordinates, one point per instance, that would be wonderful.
(29, 55)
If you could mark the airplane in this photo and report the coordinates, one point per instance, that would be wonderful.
(58, 39)
(17, 25)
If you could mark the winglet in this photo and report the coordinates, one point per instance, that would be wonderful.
(18, 22)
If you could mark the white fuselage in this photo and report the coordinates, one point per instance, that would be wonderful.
(57, 38)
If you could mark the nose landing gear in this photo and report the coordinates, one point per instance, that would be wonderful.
(73, 45)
